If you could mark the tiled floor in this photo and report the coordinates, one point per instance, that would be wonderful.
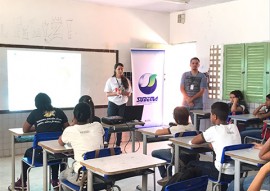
(126, 185)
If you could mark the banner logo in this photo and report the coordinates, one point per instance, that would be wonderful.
(148, 83)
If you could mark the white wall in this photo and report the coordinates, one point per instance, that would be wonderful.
(70, 23)
(239, 21)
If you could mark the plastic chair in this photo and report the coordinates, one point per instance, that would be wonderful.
(226, 159)
(31, 160)
(195, 184)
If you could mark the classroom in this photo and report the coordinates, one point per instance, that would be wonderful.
(85, 25)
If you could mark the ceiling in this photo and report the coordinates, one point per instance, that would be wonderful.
(166, 6)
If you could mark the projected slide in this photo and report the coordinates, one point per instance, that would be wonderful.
(55, 73)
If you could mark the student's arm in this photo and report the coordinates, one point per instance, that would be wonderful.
(235, 106)
(258, 110)
(164, 131)
(198, 139)
(27, 127)
(264, 153)
(60, 141)
(263, 115)
(259, 178)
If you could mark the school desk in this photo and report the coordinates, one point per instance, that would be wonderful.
(151, 132)
(17, 136)
(197, 113)
(249, 156)
(242, 117)
(52, 147)
(118, 164)
(184, 142)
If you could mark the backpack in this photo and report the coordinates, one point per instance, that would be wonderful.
(185, 174)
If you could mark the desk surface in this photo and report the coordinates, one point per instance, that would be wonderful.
(250, 155)
(151, 130)
(54, 147)
(19, 132)
(243, 117)
(201, 112)
(123, 163)
(184, 142)
(128, 124)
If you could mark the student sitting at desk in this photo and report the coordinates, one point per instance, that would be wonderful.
(83, 137)
(219, 135)
(237, 102)
(56, 120)
(87, 99)
(181, 116)
(263, 113)
(262, 179)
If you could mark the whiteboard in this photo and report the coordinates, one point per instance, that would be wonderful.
(96, 67)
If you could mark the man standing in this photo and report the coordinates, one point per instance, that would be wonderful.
(193, 84)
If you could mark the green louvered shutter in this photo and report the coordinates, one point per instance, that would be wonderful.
(255, 75)
(233, 68)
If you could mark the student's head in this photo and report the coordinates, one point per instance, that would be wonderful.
(267, 101)
(118, 69)
(181, 115)
(87, 99)
(236, 94)
(194, 63)
(82, 112)
(43, 102)
(219, 110)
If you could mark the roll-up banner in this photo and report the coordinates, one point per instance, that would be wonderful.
(147, 83)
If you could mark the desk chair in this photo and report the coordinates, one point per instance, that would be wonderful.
(195, 184)
(226, 159)
(258, 134)
(31, 160)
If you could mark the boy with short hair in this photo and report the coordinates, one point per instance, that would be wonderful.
(219, 136)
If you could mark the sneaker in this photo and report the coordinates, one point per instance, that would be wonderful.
(163, 181)
(18, 185)
(55, 184)
(106, 144)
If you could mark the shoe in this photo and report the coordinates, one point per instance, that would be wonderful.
(163, 181)
(55, 184)
(18, 185)
(106, 144)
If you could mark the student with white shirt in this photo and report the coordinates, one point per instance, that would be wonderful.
(83, 137)
(219, 136)
(181, 117)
